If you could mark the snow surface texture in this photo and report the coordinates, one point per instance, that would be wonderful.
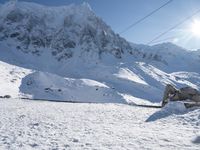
(71, 54)
(50, 125)
(10, 79)
(57, 88)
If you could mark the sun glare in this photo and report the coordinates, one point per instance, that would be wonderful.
(195, 28)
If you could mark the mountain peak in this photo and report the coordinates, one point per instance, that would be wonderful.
(87, 6)
(167, 44)
(64, 30)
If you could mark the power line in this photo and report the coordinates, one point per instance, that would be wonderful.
(148, 15)
(166, 39)
(173, 27)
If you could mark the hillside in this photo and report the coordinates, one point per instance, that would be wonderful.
(70, 49)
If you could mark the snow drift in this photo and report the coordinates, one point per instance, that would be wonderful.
(39, 85)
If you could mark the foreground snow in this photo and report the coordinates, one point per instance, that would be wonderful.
(50, 125)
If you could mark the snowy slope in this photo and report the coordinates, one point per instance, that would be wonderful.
(71, 45)
(41, 85)
(170, 57)
(50, 125)
(10, 79)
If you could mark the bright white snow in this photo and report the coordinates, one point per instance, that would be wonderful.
(48, 86)
(72, 55)
(69, 54)
(50, 125)
(10, 79)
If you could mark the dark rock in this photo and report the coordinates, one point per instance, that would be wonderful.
(70, 44)
(13, 35)
(48, 90)
(7, 96)
(18, 47)
(29, 82)
(15, 16)
(54, 53)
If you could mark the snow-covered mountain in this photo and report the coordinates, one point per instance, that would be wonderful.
(68, 53)
(172, 57)
(66, 31)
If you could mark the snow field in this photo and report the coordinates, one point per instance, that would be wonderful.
(50, 125)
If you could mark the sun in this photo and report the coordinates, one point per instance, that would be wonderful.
(195, 28)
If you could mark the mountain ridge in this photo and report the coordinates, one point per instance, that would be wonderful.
(69, 42)
(57, 28)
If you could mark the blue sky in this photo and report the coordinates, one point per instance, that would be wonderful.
(121, 13)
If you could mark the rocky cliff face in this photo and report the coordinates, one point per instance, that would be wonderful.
(62, 30)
